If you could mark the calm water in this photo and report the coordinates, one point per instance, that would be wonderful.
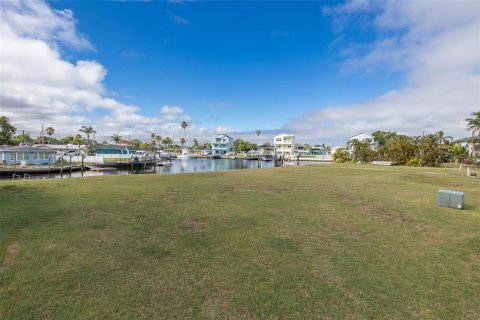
(178, 166)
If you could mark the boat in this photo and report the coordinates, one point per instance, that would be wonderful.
(161, 155)
(186, 154)
(267, 157)
(142, 155)
(252, 155)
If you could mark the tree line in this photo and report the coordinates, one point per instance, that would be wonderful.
(426, 150)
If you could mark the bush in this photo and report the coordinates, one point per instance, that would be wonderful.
(341, 156)
(413, 162)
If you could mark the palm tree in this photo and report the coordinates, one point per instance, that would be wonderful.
(88, 131)
(195, 144)
(258, 133)
(167, 142)
(184, 126)
(182, 141)
(444, 139)
(50, 131)
(473, 124)
(116, 138)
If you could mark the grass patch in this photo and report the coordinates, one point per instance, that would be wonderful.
(340, 241)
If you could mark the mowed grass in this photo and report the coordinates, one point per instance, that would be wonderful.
(325, 242)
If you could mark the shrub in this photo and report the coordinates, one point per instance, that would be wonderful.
(341, 156)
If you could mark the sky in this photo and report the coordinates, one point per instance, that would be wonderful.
(323, 71)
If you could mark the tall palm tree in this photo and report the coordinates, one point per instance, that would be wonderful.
(473, 123)
(87, 131)
(258, 133)
(184, 126)
(116, 138)
(182, 141)
(195, 144)
(50, 131)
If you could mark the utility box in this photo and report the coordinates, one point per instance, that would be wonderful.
(450, 199)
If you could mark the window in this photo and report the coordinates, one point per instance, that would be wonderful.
(36, 156)
(21, 156)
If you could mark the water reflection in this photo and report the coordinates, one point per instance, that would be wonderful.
(178, 166)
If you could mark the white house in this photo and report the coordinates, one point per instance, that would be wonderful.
(360, 137)
(284, 144)
(221, 144)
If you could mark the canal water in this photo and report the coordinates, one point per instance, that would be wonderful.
(178, 166)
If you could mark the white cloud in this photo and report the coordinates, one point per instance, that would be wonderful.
(223, 129)
(39, 86)
(436, 45)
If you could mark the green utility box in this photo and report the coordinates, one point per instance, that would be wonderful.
(450, 199)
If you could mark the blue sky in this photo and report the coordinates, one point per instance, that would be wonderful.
(320, 70)
(245, 65)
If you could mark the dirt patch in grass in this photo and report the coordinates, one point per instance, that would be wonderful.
(131, 201)
(375, 209)
(170, 195)
(12, 253)
(215, 308)
(191, 225)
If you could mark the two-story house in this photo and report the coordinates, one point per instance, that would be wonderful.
(221, 144)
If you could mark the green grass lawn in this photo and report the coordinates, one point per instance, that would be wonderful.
(340, 241)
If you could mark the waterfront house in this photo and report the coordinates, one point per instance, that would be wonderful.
(112, 149)
(317, 151)
(359, 137)
(221, 144)
(27, 155)
(284, 144)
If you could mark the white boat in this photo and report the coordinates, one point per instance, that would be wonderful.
(161, 155)
(142, 155)
(186, 155)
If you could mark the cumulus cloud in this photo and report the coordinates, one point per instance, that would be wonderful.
(435, 44)
(38, 86)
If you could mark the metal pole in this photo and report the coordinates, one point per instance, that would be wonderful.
(70, 165)
(61, 166)
(15, 163)
(83, 167)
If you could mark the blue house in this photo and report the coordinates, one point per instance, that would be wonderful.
(27, 155)
(318, 151)
(112, 149)
(221, 144)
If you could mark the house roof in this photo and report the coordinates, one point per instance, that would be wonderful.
(222, 134)
(467, 139)
(360, 133)
(26, 149)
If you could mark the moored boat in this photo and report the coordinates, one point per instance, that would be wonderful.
(186, 154)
